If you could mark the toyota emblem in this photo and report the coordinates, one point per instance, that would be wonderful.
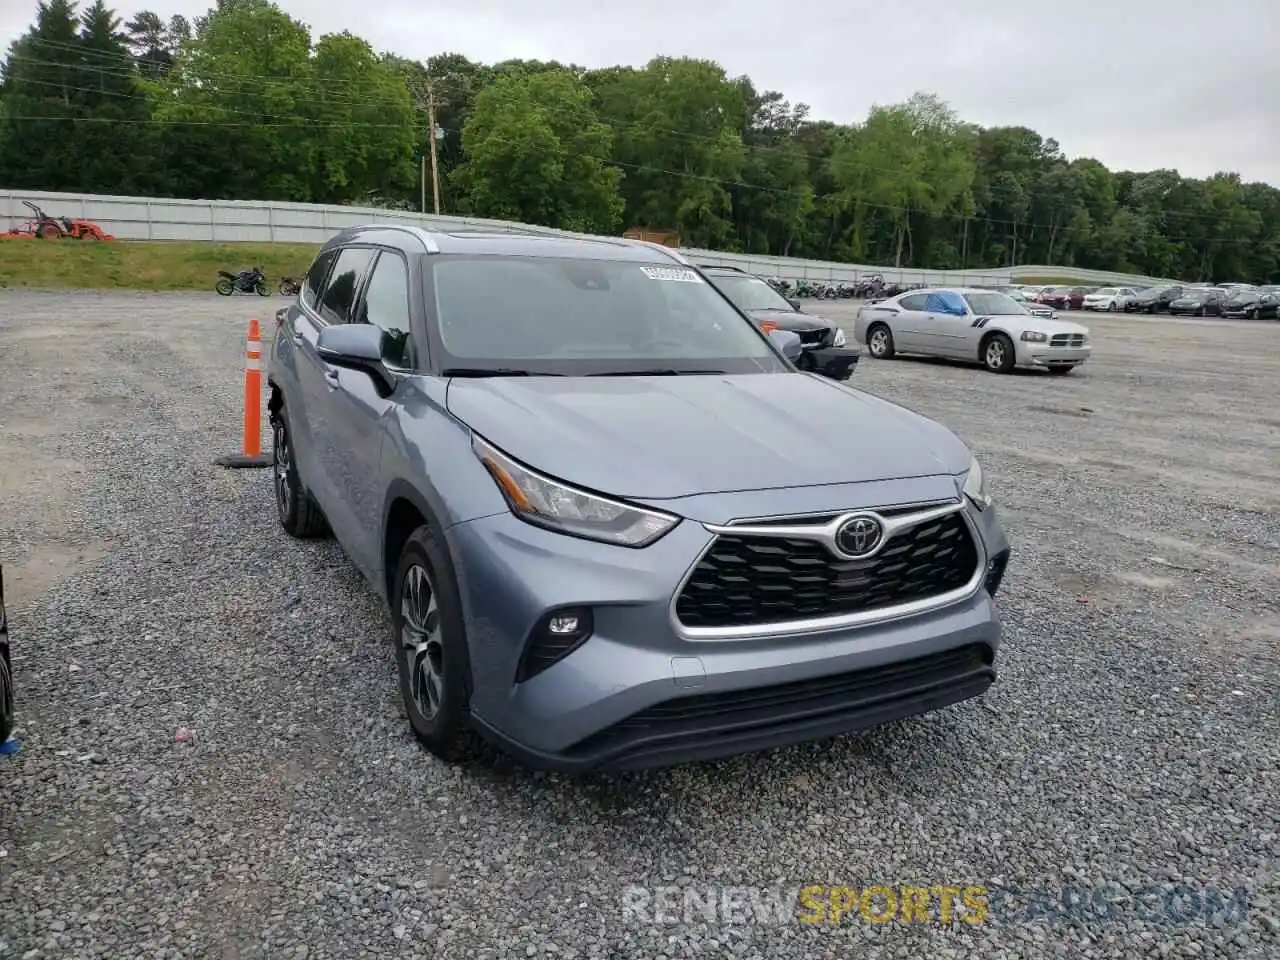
(859, 536)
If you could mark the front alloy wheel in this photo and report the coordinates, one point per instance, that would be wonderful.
(430, 635)
(998, 354)
(420, 641)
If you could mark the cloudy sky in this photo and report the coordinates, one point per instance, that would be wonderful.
(1138, 84)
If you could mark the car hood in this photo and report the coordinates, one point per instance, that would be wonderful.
(657, 438)
(792, 320)
(1046, 325)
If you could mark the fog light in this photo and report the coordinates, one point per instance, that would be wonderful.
(553, 638)
(564, 623)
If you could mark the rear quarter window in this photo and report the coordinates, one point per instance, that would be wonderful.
(313, 285)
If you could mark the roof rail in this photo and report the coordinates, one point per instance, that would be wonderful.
(422, 233)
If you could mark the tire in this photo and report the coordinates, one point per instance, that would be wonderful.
(431, 650)
(48, 232)
(880, 342)
(223, 286)
(1254, 314)
(296, 509)
(998, 354)
(1111, 307)
(261, 288)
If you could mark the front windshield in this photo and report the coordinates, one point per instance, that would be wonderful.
(579, 316)
(751, 293)
(993, 305)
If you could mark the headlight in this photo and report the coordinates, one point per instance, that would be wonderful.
(975, 485)
(840, 339)
(1034, 336)
(548, 503)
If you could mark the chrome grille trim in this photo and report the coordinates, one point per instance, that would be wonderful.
(825, 533)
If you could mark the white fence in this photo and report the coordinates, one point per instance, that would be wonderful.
(235, 221)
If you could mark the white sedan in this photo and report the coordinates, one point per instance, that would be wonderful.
(1110, 299)
(969, 324)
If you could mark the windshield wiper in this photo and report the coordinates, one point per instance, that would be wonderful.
(492, 372)
(653, 373)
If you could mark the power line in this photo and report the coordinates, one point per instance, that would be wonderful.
(128, 66)
(270, 120)
(305, 124)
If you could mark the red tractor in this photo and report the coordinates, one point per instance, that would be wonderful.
(44, 227)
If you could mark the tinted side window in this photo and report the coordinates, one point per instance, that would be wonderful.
(915, 301)
(340, 293)
(314, 283)
(386, 306)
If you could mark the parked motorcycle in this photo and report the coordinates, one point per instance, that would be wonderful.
(289, 287)
(246, 281)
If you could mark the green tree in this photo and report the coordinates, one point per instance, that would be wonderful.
(537, 152)
(677, 129)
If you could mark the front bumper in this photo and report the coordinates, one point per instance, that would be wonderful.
(639, 694)
(838, 363)
(1042, 356)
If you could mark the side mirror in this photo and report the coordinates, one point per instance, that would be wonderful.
(795, 303)
(356, 346)
(788, 342)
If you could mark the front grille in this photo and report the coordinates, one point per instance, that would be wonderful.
(814, 338)
(759, 580)
(1067, 340)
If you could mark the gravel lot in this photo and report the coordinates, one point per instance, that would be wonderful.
(1133, 738)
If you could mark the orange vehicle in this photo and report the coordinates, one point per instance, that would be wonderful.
(44, 227)
(668, 238)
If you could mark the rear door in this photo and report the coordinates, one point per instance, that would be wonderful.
(910, 327)
(292, 365)
(335, 305)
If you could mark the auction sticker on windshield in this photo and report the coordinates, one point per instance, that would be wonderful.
(671, 273)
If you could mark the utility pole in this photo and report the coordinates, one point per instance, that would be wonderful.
(428, 103)
(435, 176)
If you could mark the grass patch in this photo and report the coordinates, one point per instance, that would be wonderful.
(142, 264)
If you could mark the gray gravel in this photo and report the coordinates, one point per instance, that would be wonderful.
(1132, 741)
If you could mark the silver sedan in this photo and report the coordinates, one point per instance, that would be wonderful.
(969, 324)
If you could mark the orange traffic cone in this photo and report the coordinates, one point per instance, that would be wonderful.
(251, 455)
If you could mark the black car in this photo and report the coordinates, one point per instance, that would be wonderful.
(825, 348)
(1203, 302)
(6, 672)
(1252, 305)
(1155, 300)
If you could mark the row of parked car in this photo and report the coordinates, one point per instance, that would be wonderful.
(1234, 300)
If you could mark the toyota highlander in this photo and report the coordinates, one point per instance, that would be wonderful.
(613, 525)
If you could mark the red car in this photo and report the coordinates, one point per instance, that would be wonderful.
(1064, 298)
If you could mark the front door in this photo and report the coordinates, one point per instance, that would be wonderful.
(948, 324)
(360, 404)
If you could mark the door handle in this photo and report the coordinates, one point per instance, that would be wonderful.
(298, 339)
(331, 378)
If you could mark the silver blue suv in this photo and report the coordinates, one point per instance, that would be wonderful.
(614, 525)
